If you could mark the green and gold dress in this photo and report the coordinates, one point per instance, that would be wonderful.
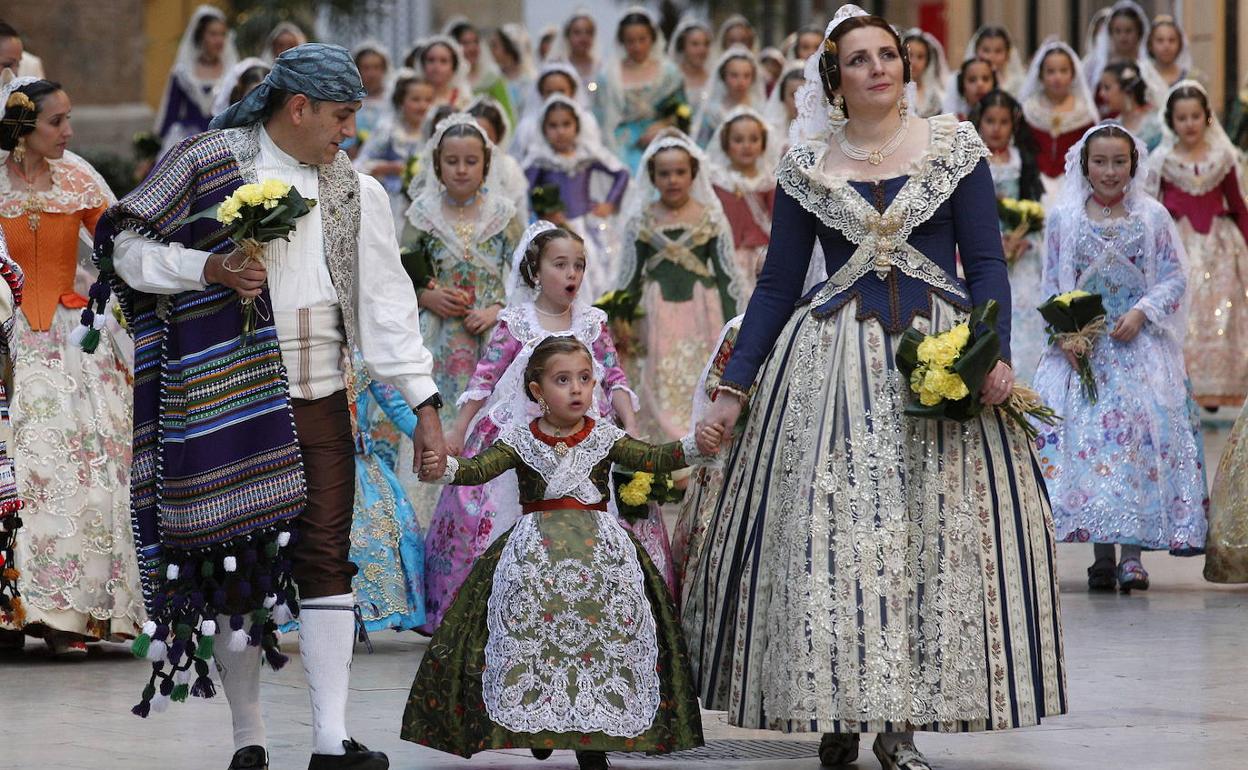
(564, 635)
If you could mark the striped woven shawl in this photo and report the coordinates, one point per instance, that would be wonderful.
(217, 476)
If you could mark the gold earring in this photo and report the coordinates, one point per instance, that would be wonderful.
(541, 403)
(838, 105)
(19, 151)
(903, 106)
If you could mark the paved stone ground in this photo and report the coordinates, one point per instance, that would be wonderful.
(1156, 680)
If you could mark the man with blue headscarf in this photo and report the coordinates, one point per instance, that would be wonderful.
(243, 477)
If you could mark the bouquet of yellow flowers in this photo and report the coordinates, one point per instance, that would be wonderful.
(947, 371)
(1075, 320)
(675, 111)
(256, 214)
(635, 491)
(1021, 217)
(411, 169)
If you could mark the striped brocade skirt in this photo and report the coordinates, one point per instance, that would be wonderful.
(862, 570)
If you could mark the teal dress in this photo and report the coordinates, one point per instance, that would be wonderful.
(628, 112)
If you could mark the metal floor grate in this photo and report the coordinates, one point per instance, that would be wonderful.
(735, 750)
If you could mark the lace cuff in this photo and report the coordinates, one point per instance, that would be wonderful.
(452, 468)
(693, 456)
(475, 394)
(734, 389)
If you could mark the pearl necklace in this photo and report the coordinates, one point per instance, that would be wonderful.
(548, 314)
(877, 156)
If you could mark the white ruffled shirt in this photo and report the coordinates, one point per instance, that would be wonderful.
(298, 278)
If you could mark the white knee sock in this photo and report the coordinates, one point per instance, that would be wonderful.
(326, 638)
(240, 678)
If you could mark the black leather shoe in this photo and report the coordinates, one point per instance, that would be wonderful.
(542, 753)
(592, 760)
(358, 757)
(250, 758)
(838, 749)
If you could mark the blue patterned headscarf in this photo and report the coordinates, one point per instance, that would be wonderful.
(317, 70)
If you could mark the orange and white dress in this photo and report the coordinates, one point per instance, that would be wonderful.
(71, 417)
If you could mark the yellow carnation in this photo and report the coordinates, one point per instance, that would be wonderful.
(684, 112)
(959, 336)
(250, 194)
(1070, 296)
(943, 384)
(274, 190)
(229, 209)
(637, 491)
(938, 351)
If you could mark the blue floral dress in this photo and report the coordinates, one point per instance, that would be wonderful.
(1129, 468)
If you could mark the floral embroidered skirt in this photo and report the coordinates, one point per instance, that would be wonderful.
(1217, 319)
(863, 570)
(562, 637)
(71, 414)
(1226, 554)
(468, 520)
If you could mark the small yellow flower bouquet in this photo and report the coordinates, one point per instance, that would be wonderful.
(635, 491)
(946, 372)
(256, 214)
(1075, 320)
(411, 170)
(1021, 217)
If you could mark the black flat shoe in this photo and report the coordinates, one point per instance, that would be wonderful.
(542, 753)
(592, 760)
(250, 758)
(1102, 576)
(358, 757)
(838, 749)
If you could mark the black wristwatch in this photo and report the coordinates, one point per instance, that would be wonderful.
(434, 401)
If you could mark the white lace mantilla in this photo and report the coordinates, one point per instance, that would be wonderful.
(564, 672)
(567, 474)
(75, 187)
(1198, 178)
(496, 213)
(883, 239)
(1039, 112)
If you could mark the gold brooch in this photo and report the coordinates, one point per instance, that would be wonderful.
(561, 448)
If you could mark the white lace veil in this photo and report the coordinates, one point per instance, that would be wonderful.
(529, 129)
(642, 194)
(773, 110)
(518, 36)
(509, 135)
(560, 51)
(221, 97)
(1215, 135)
(517, 290)
(459, 79)
(1071, 209)
(722, 173)
(936, 76)
(1014, 70)
(688, 22)
(279, 29)
(714, 107)
(734, 20)
(814, 119)
(1033, 85)
(426, 182)
(588, 144)
(1184, 60)
(1095, 23)
(184, 67)
(487, 68)
(1101, 55)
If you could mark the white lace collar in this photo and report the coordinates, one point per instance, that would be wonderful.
(526, 327)
(1212, 170)
(75, 187)
(1039, 112)
(732, 180)
(495, 215)
(566, 474)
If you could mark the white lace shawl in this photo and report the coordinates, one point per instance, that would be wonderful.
(1037, 108)
(1101, 55)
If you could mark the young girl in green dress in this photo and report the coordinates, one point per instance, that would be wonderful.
(564, 635)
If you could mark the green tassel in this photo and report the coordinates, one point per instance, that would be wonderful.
(91, 341)
(142, 643)
(260, 615)
(205, 569)
(180, 692)
(270, 550)
(204, 651)
(182, 631)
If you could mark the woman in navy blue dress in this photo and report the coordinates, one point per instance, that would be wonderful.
(865, 571)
